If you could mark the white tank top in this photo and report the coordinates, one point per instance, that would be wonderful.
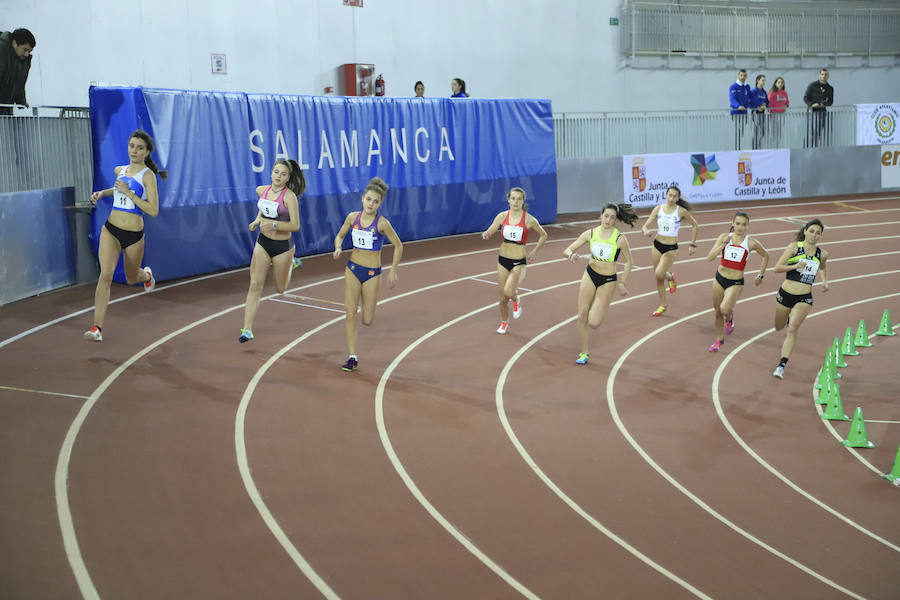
(667, 224)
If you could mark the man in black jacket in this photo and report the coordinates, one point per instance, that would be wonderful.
(819, 95)
(15, 62)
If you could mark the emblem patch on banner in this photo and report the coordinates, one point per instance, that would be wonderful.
(638, 175)
(705, 168)
(885, 120)
(745, 169)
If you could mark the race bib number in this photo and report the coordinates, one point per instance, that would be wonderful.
(809, 270)
(363, 238)
(734, 253)
(603, 251)
(122, 201)
(268, 208)
(513, 233)
(667, 228)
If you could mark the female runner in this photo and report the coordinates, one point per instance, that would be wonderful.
(514, 225)
(134, 194)
(596, 290)
(668, 221)
(277, 219)
(801, 261)
(363, 271)
(734, 248)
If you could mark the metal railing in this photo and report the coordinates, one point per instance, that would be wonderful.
(602, 135)
(48, 147)
(771, 29)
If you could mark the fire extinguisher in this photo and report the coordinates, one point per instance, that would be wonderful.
(379, 85)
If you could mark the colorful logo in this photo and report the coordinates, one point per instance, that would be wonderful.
(638, 175)
(744, 170)
(885, 121)
(705, 168)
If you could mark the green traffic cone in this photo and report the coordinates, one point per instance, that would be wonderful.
(894, 475)
(857, 437)
(826, 368)
(886, 327)
(862, 336)
(831, 364)
(828, 387)
(838, 357)
(849, 349)
(835, 409)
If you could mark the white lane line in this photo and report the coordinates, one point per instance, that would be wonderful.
(880, 421)
(19, 389)
(675, 483)
(524, 289)
(734, 434)
(520, 448)
(60, 480)
(307, 305)
(64, 514)
(831, 429)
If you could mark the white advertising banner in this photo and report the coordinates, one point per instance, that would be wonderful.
(890, 166)
(877, 124)
(708, 176)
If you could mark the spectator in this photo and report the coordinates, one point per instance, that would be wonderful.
(419, 88)
(739, 94)
(778, 103)
(819, 95)
(778, 97)
(760, 102)
(15, 62)
(458, 87)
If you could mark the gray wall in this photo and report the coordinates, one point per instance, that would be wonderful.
(565, 51)
(584, 184)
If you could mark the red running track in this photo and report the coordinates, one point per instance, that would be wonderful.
(169, 461)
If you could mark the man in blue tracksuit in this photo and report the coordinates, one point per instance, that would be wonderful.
(739, 94)
(759, 98)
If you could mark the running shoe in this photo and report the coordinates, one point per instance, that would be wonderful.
(517, 309)
(778, 372)
(503, 327)
(246, 336)
(671, 282)
(729, 327)
(350, 365)
(582, 358)
(297, 262)
(94, 334)
(716, 345)
(659, 311)
(150, 284)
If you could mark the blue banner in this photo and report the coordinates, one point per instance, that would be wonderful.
(449, 164)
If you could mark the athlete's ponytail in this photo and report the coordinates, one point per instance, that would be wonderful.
(148, 141)
(681, 201)
(624, 212)
(296, 181)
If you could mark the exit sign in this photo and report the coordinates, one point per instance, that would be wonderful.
(614, 20)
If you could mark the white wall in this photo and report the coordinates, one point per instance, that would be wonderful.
(564, 50)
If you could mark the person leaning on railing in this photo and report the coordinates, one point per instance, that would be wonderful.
(15, 62)
(819, 95)
(739, 96)
(778, 103)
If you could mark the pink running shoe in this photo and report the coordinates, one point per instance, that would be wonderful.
(716, 345)
(729, 327)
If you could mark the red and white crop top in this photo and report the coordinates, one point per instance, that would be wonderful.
(515, 234)
(734, 256)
